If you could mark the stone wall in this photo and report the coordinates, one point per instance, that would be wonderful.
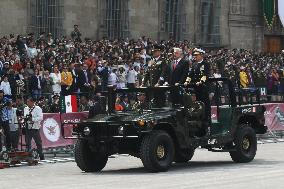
(241, 24)
(143, 18)
(14, 16)
(244, 29)
(85, 14)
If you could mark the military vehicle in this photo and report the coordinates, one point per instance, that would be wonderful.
(166, 133)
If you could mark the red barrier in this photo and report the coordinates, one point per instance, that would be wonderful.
(274, 116)
(51, 128)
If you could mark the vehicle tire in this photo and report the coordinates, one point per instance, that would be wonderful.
(183, 156)
(157, 151)
(88, 160)
(245, 145)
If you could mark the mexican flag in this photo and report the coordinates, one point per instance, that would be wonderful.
(69, 104)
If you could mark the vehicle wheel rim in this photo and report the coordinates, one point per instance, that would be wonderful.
(246, 143)
(161, 152)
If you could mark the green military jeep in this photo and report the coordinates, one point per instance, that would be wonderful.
(160, 134)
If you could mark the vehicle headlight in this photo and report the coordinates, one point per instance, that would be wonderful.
(121, 130)
(87, 131)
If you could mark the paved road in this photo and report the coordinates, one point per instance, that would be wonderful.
(206, 170)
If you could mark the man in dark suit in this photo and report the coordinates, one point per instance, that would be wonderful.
(84, 79)
(179, 70)
(198, 77)
(74, 71)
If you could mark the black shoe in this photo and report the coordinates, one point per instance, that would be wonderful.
(42, 157)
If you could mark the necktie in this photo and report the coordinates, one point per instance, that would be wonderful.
(175, 64)
(86, 76)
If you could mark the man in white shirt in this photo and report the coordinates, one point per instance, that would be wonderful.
(34, 117)
(131, 77)
(31, 51)
(13, 124)
(112, 78)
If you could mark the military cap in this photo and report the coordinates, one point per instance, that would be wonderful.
(140, 94)
(198, 51)
(55, 96)
(158, 48)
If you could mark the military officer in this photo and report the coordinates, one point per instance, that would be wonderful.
(198, 76)
(157, 75)
(141, 104)
(157, 72)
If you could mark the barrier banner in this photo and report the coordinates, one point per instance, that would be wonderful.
(274, 116)
(51, 128)
(71, 118)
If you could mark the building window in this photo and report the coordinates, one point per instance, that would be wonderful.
(116, 19)
(173, 18)
(210, 22)
(46, 16)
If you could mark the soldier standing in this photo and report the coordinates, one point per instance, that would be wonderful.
(157, 75)
(198, 76)
(157, 72)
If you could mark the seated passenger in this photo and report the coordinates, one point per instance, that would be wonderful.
(141, 104)
(118, 106)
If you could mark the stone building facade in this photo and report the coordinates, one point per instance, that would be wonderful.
(210, 23)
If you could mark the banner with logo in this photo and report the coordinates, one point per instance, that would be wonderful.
(71, 118)
(274, 116)
(51, 131)
(51, 128)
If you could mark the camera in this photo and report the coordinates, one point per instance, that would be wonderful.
(19, 113)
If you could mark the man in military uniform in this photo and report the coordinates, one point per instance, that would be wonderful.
(157, 72)
(55, 106)
(157, 75)
(198, 76)
(141, 104)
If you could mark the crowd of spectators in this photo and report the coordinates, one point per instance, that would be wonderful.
(46, 67)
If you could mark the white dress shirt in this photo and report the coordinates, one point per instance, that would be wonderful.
(5, 86)
(37, 117)
(56, 88)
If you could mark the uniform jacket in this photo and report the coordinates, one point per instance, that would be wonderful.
(199, 72)
(157, 72)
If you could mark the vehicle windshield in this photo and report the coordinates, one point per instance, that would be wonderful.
(141, 99)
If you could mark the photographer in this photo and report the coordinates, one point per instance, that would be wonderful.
(13, 124)
(4, 122)
(33, 116)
